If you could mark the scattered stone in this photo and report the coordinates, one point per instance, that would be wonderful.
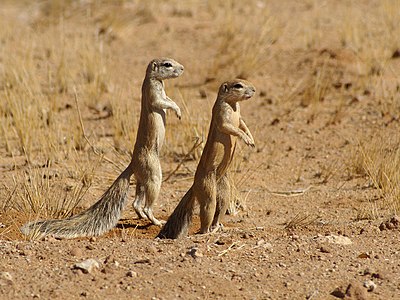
(264, 244)
(260, 242)
(107, 270)
(84, 294)
(224, 240)
(369, 285)
(366, 272)
(392, 223)
(5, 279)
(364, 255)
(390, 226)
(245, 236)
(26, 252)
(219, 242)
(92, 239)
(395, 220)
(111, 264)
(324, 249)
(295, 237)
(195, 253)
(131, 273)
(109, 260)
(355, 291)
(268, 246)
(282, 265)
(151, 249)
(338, 293)
(378, 275)
(338, 239)
(87, 266)
(76, 252)
(275, 122)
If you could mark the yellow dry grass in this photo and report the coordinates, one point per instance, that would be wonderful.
(55, 48)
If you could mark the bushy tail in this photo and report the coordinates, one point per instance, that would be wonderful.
(96, 220)
(179, 221)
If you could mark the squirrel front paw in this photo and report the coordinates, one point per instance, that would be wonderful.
(178, 112)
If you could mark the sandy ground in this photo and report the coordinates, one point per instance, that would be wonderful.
(309, 226)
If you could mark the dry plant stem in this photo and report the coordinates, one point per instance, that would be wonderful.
(237, 36)
(211, 184)
(291, 193)
(230, 248)
(196, 145)
(381, 161)
(145, 165)
(300, 219)
(97, 152)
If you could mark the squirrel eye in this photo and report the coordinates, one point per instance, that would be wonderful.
(238, 86)
(167, 65)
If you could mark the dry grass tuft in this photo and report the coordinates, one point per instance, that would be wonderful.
(379, 159)
(245, 35)
(39, 193)
(301, 220)
(372, 36)
(182, 135)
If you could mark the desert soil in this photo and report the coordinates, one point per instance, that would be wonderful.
(308, 227)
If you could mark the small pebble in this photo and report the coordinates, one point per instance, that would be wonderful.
(132, 274)
(87, 266)
(260, 242)
(5, 277)
(76, 252)
(370, 285)
(195, 252)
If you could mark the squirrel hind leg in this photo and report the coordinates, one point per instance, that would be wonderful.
(139, 200)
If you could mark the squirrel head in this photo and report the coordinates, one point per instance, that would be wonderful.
(236, 90)
(164, 68)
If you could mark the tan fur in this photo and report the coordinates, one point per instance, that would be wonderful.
(211, 185)
(145, 165)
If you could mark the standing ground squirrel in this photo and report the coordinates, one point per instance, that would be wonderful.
(145, 165)
(211, 185)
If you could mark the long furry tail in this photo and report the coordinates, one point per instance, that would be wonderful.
(96, 220)
(179, 221)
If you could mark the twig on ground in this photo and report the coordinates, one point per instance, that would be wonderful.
(196, 144)
(291, 193)
(95, 150)
(223, 252)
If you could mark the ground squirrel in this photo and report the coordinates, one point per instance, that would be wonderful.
(145, 165)
(211, 185)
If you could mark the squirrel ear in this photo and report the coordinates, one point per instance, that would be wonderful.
(154, 66)
(225, 86)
